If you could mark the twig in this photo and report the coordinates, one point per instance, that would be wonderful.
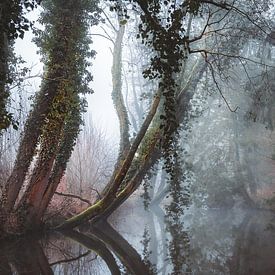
(73, 259)
(219, 89)
(206, 52)
(95, 190)
(102, 35)
(73, 196)
(110, 22)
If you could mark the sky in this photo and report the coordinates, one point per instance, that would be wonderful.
(100, 106)
(100, 103)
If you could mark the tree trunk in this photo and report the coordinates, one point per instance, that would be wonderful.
(28, 143)
(121, 248)
(114, 186)
(49, 121)
(4, 119)
(117, 95)
(70, 134)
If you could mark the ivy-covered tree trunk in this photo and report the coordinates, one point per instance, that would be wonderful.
(28, 144)
(4, 120)
(53, 124)
(5, 18)
(71, 131)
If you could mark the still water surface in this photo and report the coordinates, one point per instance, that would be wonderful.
(140, 242)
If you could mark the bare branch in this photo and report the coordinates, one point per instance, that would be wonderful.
(72, 259)
(203, 31)
(73, 196)
(103, 36)
(110, 22)
(207, 52)
(219, 89)
(224, 5)
(95, 190)
(228, 6)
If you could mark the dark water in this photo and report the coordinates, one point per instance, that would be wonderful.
(151, 242)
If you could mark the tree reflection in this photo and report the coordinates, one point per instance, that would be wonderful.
(122, 249)
(179, 240)
(215, 242)
(232, 242)
(28, 256)
(24, 257)
(92, 243)
(254, 249)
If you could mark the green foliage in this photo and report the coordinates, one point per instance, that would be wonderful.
(148, 183)
(66, 54)
(179, 194)
(70, 51)
(13, 24)
(146, 253)
(162, 30)
(13, 21)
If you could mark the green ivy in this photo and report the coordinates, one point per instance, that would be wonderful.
(13, 24)
(162, 30)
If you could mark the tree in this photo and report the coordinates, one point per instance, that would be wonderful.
(165, 64)
(183, 47)
(54, 121)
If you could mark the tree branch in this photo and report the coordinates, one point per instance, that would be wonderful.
(207, 52)
(73, 196)
(103, 36)
(116, 180)
(72, 259)
(219, 89)
(117, 95)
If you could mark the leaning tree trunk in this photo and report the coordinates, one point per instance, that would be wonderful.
(132, 171)
(114, 193)
(117, 95)
(118, 101)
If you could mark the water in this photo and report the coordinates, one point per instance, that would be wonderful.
(135, 241)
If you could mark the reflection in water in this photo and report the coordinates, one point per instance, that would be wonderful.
(210, 242)
(121, 248)
(232, 242)
(23, 257)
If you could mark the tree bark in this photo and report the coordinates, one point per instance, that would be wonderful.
(4, 48)
(117, 95)
(28, 143)
(71, 131)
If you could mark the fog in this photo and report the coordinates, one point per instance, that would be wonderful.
(177, 137)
